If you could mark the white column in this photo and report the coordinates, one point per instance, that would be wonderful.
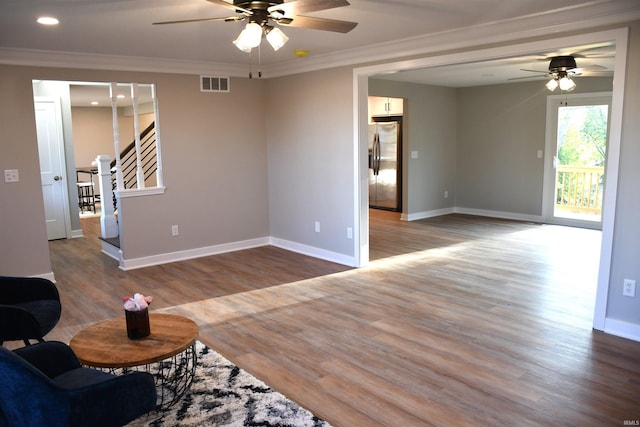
(159, 179)
(116, 135)
(108, 221)
(136, 132)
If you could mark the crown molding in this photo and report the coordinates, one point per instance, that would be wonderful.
(92, 61)
(593, 14)
(577, 18)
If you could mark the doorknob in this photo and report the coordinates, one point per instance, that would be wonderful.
(57, 178)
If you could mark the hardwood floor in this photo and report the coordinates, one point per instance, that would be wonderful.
(458, 320)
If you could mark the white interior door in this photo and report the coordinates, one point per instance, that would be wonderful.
(52, 166)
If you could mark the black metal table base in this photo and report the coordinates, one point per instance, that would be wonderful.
(173, 376)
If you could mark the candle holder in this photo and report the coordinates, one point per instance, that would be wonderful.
(137, 323)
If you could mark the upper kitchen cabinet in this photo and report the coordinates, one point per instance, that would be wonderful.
(384, 106)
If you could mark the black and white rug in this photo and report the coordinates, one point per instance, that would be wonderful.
(224, 395)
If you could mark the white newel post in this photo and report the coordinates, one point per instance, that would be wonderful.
(108, 221)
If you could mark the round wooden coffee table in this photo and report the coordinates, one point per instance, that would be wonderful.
(168, 352)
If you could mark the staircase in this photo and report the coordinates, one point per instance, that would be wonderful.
(129, 160)
(148, 157)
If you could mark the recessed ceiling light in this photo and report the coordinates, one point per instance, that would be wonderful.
(94, 102)
(48, 20)
(121, 96)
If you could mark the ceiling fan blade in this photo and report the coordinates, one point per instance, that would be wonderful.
(297, 7)
(593, 67)
(529, 77)
(231, 6)
(533, 71)
(182, 21)
(319, 24)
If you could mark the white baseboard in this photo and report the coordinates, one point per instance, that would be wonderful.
(499, 214)
(76, 233)
(112, 251)
(48, 276)
(426, 214)
(622, 329)
(130, 264)
(314, 252)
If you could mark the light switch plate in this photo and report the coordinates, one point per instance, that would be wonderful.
(11, 175)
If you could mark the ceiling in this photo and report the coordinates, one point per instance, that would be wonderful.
(117, 31)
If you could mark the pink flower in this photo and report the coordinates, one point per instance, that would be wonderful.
(136, 303)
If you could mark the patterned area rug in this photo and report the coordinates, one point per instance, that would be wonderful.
(224, 395)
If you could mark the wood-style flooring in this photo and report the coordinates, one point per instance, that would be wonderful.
(458, 320)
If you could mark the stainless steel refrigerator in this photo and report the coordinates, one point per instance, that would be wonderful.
(385, 165)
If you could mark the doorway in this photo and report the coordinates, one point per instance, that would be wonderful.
(576, 153)
(618, 38)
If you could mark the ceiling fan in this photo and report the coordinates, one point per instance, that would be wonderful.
(262, 14)
(565, 64)
(561, 70)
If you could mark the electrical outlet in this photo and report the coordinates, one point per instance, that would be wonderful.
(11, 175)
(446, 194)
(317, 226)
(629, 288)
(349, 233)
(174, 230)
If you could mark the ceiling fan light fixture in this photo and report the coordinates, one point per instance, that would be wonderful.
(566, 84)
(249, 37)
(552, 85)
(276, 37)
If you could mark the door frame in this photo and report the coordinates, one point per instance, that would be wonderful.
(61, 160)
(549, 178)
(361, 75)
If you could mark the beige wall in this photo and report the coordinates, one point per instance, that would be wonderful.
(500, 130)
(93, 132)
(23, 236)
(214, 157)
(310, 135)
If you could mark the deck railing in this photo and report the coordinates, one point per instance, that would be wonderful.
(579, 188)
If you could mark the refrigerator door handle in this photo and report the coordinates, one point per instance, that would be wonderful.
(376, 154)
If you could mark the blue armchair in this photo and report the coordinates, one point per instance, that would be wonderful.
(29, 308)
(45, 385)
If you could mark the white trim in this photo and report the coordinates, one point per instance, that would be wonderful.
(111, 251)
(611, 179)
(591, 14)
(426, 214)
(94, 61)
(48, 276)
(500, 214)
(622, 329)
(313, 251)
(137, 192)
(76, 233)
(129, 264)
(147, 261)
